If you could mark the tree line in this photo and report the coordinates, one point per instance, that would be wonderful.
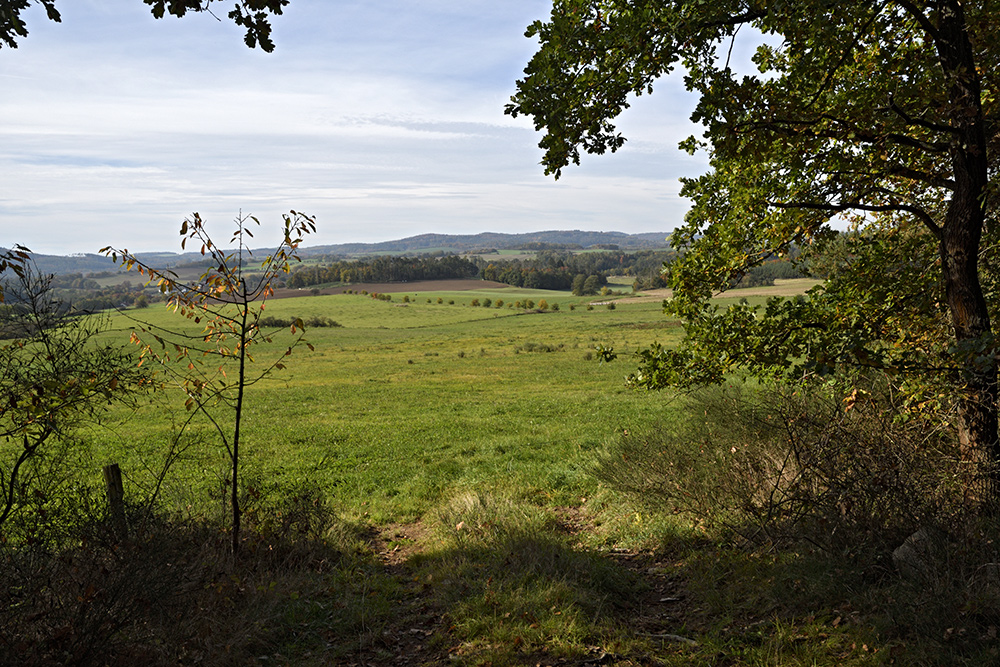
(383, 270)
(581, 273)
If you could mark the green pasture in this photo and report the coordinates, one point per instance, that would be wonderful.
(407, 404)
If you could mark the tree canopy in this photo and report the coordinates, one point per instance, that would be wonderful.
(253, 15)
(883, 114)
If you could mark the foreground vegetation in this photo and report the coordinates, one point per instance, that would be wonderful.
(447, 483)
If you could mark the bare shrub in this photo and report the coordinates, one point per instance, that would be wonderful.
(532, 346)
(777, 461)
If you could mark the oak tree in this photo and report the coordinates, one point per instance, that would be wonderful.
(882, 113)
(56, 374)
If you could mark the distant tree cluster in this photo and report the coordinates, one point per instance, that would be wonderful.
(87, 295)
(765, 274)
(647, 268)
(560, 270)
(387, 269)
(519, 274)
(270, 321)
(584, 285)
(541, 245)
(79, 292)
(74, 281)
(649, 273)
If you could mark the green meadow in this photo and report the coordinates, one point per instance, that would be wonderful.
(408, 403)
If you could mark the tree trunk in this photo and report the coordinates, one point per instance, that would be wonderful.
(977, 421)
(960, 237)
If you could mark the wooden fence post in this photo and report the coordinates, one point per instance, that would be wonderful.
(116, 498)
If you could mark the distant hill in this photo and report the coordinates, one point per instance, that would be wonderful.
(424, 243)
(81, 263)
(88, 263)
(467, 242)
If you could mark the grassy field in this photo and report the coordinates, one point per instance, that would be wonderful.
(407, 404)
(428, 478)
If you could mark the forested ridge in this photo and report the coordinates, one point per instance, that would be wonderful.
(547, 269)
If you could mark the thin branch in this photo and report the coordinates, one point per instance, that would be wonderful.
(925, 23)
(916, 211)
(785, 127)
(843, 56)
(732, 43)
(739, 19)
(921, 176)
(920, 122)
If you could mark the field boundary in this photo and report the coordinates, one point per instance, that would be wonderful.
(390, 288)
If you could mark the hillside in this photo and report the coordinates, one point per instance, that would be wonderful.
(423, 243)
(498, 241)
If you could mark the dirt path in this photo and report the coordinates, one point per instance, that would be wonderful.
(416, 620)
(420, 632)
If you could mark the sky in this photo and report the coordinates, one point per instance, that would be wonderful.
(381, 119)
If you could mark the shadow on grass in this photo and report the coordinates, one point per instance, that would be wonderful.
(514, 590)
(170, 594)
(796, 605)
(498, 584)
(801, 505)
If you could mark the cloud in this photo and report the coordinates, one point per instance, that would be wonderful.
(381, 118)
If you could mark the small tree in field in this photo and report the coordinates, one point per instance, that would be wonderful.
(228, 301)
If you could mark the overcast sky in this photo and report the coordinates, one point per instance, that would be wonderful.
(382, 119)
